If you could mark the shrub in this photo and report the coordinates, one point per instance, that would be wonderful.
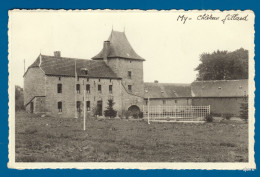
(110, 112)
(208, 118)
(127, 114)
(244, 109)
(227, 116)
(141, 114)
(135, 115)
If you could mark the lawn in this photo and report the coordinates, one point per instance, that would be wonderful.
(49, 139)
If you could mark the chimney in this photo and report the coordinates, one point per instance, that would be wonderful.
(57, 54)
(156, 81)
(106, 50)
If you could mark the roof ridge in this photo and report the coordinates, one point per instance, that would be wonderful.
(66, 58)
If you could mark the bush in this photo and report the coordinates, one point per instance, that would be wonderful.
(227, 116)
(141, 114)
(209, 118)
(244, 109)
(110, 112)
(135, 115)
(127, 114)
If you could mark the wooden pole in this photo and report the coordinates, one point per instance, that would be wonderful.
(75, 91)
(148, 110)
(84, 121)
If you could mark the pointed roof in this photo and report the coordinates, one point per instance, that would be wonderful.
(119, 47)
(63, 66)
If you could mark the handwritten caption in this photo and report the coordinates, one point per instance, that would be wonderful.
(210, 17)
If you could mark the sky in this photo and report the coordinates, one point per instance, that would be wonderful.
(170, 47)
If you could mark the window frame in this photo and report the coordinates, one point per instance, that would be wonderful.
(78, 105)
(110, 89)
(130, 88)
(99, 88)
(78, 88)
(60, 106)
(129, 74)
(59, 88)
(88, 88)
(88, 105)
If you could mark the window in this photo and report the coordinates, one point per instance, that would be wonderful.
(87, 79)
(78, 105)
(88, 105)
(164, 101)
(99, 88)
(59, 78)
(78, 78)
(60, 106)
(130, 88)
(98, 80)
(176, 101)
(88, 88)
(110, 88)
(59, 88)
(129, 74)
(110, 80)
(78, 88)
(146, 102)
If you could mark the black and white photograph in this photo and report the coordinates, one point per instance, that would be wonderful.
(131, 89)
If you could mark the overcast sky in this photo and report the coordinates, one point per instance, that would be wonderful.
(171, 48)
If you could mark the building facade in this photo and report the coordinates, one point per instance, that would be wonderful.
(55, 85)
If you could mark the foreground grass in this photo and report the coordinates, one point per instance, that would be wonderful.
(54, 139)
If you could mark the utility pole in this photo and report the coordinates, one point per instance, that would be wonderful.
(84, 120)
(75, 91)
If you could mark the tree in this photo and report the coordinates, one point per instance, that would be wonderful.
(110, 112)
(19, 100)
(244, 109)
(223, 65)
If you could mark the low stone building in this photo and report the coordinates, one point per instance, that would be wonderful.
(223, 96)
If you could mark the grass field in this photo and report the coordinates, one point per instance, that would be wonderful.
(51, 139)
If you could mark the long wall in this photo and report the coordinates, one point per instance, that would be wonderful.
(220, 105)
(171, 102)
(67, 97)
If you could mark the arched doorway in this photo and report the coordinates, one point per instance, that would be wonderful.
(134, 111)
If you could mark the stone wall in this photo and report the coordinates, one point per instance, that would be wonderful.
(67, 97)
(220, 105)
(34, 84)
(122, 66)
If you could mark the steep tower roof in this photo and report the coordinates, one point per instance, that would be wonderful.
(119, 47)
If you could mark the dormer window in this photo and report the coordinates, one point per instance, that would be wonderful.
(240, 87)
(219, 88)
(84, 71)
